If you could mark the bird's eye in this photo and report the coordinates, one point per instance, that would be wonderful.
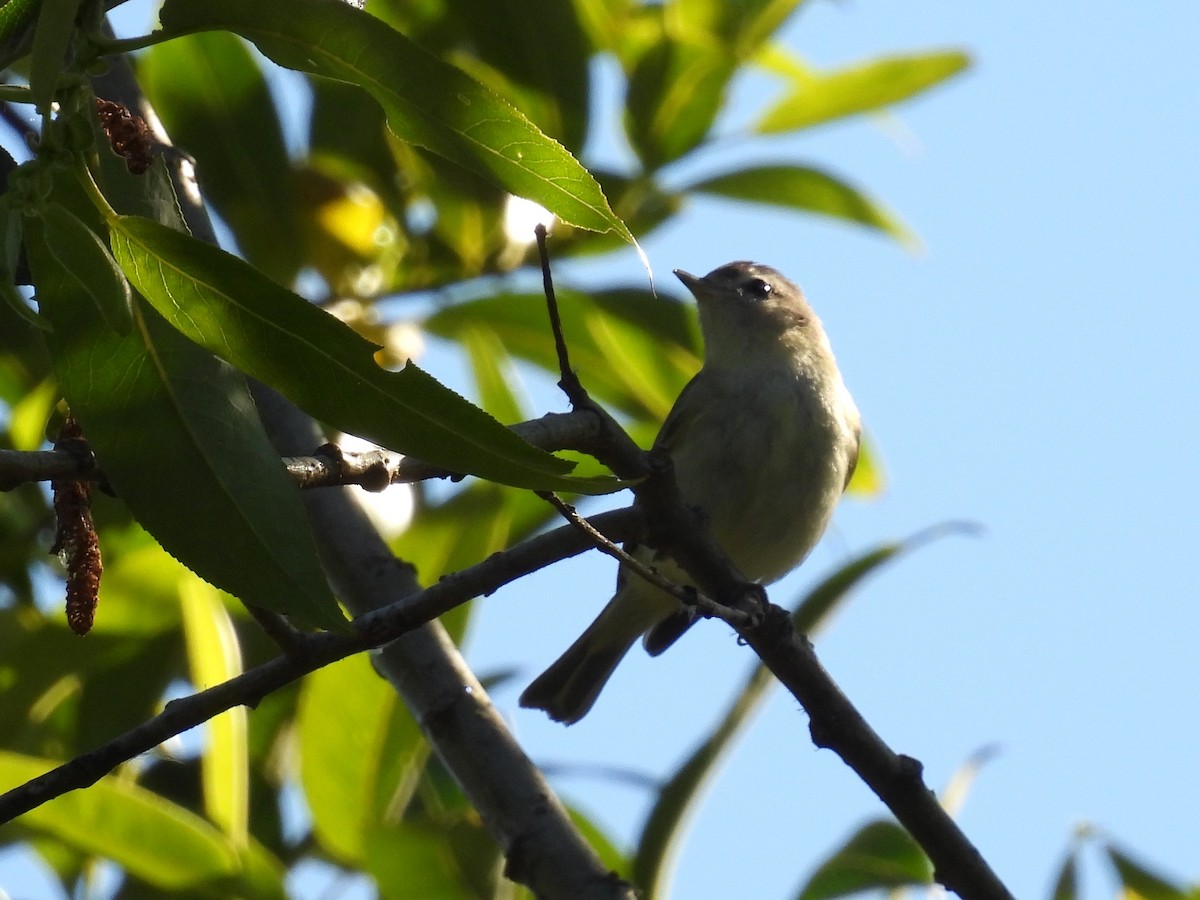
(759, 288)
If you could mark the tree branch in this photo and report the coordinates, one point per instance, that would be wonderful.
(312, 651)
(327, 466)
(543, 849)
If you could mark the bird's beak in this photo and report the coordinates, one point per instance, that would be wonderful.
(690, 281)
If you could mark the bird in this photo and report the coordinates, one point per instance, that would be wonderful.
(763, 441)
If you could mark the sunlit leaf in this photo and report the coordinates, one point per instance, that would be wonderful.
(869, 478)
(811, 190)
(743, 25)
(214, 658)
(427, 101)
(338, 766)
(321, 364)
(494, 377)
(871, 85)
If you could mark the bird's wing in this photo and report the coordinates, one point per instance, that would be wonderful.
(675, 425)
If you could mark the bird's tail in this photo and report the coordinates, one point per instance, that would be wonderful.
(569, 688)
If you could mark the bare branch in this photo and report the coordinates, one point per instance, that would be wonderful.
(309, 653)
(327, 466)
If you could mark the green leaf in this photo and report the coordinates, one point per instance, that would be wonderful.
(800, 187)
(415, 860)
(634, 350)
(544, 70)
(55, 24)
(674, 95)
(663, 830)
(85, 258)
(428, 102)
(856, 89)
(1066, 885)
(1138, 881)
(743, 25)
(10, 248)
(339, 766)
(153, 839)
(869, 478)
(881, 855)
(214, 658)
(211, 95)
(323, 365)
(181, 442)
(494, 375)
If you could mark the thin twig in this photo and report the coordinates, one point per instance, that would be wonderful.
(685, 594)
(568, 380)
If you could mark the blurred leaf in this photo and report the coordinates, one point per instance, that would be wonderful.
(52, 35)
(856, 89)
(348, 126)
(880, 855)
(437, 544)
(153, 839)
(743, 25)
(83, 256)
(182, 444)
(546, 66)
(954, 795)
(664, 828)
(211, 95)
(869, 479)
(416, 860)
(1138, 882)
(427, 101)
(1066, 884)
(800, 187)
(674, 95)
(321, 364)
(642, 383)
(339, 766)
(349, 236)
(214, 658)
(494, 375)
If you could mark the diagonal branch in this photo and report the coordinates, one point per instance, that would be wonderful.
(312, 651)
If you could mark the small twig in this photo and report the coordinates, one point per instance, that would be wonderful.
(685, 594)
(568, 381)
(278, 629)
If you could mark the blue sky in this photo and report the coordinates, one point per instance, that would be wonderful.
(1032, 371)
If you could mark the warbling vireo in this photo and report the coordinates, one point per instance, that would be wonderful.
(763, 440)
